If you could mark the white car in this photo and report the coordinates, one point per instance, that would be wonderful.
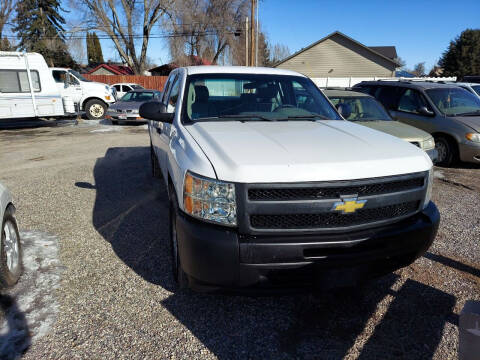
(92, 97)
(268, 184)
(10, 246)
(123, 88)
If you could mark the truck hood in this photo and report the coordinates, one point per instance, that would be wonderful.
(93, 85)
(398, 129)
(298, 151)
(471, 121)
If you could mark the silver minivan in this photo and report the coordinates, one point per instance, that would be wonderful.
(448, 112)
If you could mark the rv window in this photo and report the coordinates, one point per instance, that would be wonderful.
(16, 81)
(9, 81)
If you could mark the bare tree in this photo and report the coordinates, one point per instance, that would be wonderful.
(6, 11)
(129, 24)
(278, 52)
(419, 69)
(210, 29)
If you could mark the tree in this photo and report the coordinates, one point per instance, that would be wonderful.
(463, 55)
(94, 49)
(6, 11)
(210, 29)
(279, 52)
(129, 24)
(40, 29)
(401, 63)
(419, 69)
(5, 45)
(264, 58)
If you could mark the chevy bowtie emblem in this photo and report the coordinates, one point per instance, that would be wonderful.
(349, 206)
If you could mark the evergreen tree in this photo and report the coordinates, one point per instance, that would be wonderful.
(40, 29)
(463, 55)
(98, 49)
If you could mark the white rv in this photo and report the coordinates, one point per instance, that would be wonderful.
(27, 88)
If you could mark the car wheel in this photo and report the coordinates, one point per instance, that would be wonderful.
(95, 109)
(447, 152)
(11, 251)
(178, 273)
(156, 173)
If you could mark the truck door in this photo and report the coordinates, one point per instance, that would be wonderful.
(163, 130)
(68, 85)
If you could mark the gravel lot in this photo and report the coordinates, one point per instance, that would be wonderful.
(88, 189)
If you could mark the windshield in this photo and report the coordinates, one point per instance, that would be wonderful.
(454, 101)
(362, 108)
(254, 97)
(476, 88)
(137, 96)
(78, 76)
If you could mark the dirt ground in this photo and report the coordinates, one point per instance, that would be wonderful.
(97, 280)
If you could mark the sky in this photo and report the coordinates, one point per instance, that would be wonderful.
(420, 30)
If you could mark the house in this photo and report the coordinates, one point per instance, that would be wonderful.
(111, 69)
(191, 60)
(338, 55)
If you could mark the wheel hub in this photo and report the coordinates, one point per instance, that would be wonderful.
(11, 246)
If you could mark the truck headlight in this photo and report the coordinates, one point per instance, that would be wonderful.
(428, 144)
(209, 199)
(475, 137)
(428, 194)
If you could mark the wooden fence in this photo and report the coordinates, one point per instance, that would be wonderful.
(148, 82)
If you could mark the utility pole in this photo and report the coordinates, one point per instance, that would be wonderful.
(252, 33)
(246, 42)
(256, 37)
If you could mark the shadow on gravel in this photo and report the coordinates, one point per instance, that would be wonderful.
(16, 339)
(131, 213)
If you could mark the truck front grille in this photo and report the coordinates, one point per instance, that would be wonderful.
(332, 220)
(314, 193)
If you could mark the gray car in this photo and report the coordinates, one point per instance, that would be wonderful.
(10, 247)
(126, 108)
(448, 112)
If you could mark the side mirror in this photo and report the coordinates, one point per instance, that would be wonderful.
(344, 110)
(424, 111)
(156, 111)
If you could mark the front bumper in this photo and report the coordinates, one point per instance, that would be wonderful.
(126, 118)
(215, 256)
(470, 152)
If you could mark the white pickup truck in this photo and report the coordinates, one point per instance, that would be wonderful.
(91, 97)
(268, 185)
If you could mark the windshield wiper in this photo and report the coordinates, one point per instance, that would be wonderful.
(308, 117)
(235, 117)
(471, 113)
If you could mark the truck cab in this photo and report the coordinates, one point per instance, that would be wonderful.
(269, 185)
(91, 97)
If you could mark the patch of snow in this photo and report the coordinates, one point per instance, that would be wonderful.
(107, 129)
(30, 307)
(438, 174)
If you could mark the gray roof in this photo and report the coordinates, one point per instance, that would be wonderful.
(344, 93)
(346, 37)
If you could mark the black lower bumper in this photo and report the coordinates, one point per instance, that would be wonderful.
(214, 256)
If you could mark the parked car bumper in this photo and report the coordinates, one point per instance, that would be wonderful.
(433, 154)
(470, 152)
(127, 118)
(218, 257)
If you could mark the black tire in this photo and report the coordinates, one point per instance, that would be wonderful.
(95, 109)
(447, 151)
(9, 277)
(178, 274)
(114, 122)
(156, 173)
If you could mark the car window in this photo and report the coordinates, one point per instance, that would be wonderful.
(127, 88)
(137, 87)
(388, 96)
(254, 96)
(138, 96)
(362, 108)
(454, 101)
(167, 88)
(59, 76)
(173, 97)
(118, 87)
(476, 88)
(411, 101)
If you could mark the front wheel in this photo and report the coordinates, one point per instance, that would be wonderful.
(447, 151)
(178, 273)
(11, 251)
(95, 109)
